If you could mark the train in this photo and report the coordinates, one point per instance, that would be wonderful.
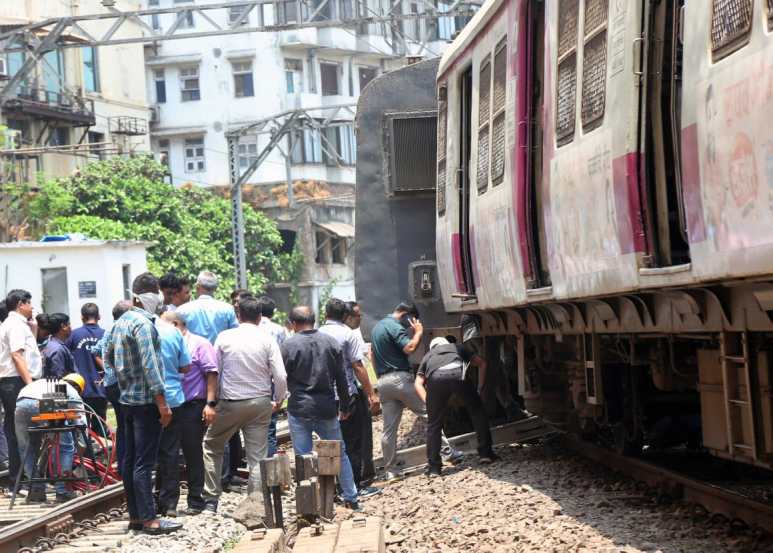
(593, 213)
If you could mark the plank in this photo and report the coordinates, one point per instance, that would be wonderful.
(317, 539)
(361, 535)
(264, 541)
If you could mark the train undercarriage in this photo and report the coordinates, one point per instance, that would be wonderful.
(691, 368)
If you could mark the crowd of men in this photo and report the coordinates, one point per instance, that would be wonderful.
(200, 376)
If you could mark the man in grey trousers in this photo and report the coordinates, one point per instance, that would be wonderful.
(248, 361)
(391, 344)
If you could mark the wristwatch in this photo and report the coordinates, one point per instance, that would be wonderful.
(212, 403)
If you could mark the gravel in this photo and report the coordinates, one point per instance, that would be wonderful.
(411, 432)
(533, 501)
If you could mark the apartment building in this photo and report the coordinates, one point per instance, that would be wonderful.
(78, 104)
(202, 88)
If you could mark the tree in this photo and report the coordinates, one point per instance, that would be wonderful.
(189, 227)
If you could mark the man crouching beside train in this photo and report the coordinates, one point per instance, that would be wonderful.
(27, 407)
(442, 373)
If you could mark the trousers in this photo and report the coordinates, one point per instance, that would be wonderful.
(353, 431)
(9, 390)
(143, 433)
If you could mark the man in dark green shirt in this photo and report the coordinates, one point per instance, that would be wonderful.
(393, 339)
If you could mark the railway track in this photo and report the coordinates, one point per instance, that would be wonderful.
(716, 498)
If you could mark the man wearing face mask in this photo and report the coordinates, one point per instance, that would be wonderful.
(134, 352)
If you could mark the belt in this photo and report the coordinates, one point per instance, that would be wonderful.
(236, 400)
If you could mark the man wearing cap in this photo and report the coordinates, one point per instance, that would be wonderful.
(442, 373)
(28, 406)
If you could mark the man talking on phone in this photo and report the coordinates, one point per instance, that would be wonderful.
(393, 340)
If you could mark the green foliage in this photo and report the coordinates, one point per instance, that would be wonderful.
(324, 297)
(190, 228)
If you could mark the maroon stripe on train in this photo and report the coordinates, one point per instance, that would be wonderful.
(456, 254)
(691, 185)
(628, 209)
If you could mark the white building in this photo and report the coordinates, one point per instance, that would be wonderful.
(62, 276)
(94, 97)
(201, 88)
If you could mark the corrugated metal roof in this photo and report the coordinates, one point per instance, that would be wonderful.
(344, 230)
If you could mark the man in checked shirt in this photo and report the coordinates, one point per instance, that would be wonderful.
(134, 352)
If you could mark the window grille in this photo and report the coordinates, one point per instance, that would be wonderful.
(566, 61)
(413, 153)
(189, 83)
(441, 187)
(594, 64)
(770, 15)
(498, 113)
(731, 24)
(442, 121)
(484, 113)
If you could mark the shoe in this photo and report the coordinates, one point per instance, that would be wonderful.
(369, 491)
(353, 505)
(433, 472)
(453, 457)
(3, 465)
(136, 526)
(170, 513)
(36, 496)
(239, 481)
(489, 458)
(210, 508)
(63, 497)
(164, 527)
(192, 511)
(390, 476)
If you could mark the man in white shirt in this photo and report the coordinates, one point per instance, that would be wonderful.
(20, 363)
(249, 361)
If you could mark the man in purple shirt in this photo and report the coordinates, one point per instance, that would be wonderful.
(199, 384)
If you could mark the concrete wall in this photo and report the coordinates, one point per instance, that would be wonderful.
(21, 266)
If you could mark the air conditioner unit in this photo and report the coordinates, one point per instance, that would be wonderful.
(3, 68)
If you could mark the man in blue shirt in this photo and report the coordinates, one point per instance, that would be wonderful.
(205, 315)
(177, 361)
(82, 343)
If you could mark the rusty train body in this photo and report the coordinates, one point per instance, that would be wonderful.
(603, 215)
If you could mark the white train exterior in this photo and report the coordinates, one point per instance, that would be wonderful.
(605, 209)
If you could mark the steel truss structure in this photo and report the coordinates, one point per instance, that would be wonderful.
(278, 128)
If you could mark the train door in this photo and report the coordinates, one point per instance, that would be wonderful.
(534, 93)
(666, 220)
(464, 180)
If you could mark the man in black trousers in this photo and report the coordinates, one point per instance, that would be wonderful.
(442, 373)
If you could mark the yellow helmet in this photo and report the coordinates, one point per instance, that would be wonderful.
(76, 380)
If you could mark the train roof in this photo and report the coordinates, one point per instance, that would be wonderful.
(468, 34)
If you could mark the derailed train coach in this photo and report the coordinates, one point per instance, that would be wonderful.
(605, 209)
(604, 214)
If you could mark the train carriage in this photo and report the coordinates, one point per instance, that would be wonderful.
(604, 214)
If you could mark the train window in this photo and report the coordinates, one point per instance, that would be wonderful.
(770, 15)
(484, 112)
(442, 121)
(413, 152)
(731, 25)
(566, 83)
(498, 113)
(594, 63)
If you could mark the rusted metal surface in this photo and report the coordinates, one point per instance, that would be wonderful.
(25, 532)
(713, 498)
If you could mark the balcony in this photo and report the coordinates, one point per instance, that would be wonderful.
(129, 126)
(63, 107)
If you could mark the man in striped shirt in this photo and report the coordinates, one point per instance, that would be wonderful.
(135, 354)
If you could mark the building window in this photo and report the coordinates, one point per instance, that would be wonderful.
(329, 73)
(247, 152)
(484, 111)
(566, 83)
(307, 147)
(59, 136)
(185, 20)
(286, 12)
(366, 75)
(90, 69)
(53, 73)
(243, 84)
(294, 76)
(338, 249)
(160, 82)
(594, 64)
(189, 83)
(323, 243)
(235, 12)
(163, 152)
(155, 22)
(445, 26)
(194, 155)
(126, 274)
(348, 148)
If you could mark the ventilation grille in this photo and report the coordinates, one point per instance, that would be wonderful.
(731, 22)
(500, 79)
(498, 151)
(567, 26)
(595, 15)
(414, 153)
(594, 77)
(483, 157)
(441, 187)
(484, 97)
(567, 91)
(441, 131)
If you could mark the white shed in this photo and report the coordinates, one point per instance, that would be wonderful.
(62, 276)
